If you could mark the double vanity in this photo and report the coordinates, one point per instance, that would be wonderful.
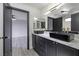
(56, 44)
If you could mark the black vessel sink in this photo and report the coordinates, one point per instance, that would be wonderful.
(62, 36)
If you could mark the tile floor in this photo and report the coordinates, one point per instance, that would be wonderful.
(23, 52)
(19, 45)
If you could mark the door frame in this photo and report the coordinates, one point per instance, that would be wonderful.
(14, 8)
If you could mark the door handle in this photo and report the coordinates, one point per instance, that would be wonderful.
(3, 37)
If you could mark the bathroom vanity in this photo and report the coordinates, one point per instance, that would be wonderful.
(45, 45)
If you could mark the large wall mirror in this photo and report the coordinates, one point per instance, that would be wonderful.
(39, 24)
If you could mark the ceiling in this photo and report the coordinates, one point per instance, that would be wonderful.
(70, 7)
(39, 5)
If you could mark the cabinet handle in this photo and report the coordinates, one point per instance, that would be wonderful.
(56, 43)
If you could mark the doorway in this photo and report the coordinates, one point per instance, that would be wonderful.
(19, 32)
(16, 25)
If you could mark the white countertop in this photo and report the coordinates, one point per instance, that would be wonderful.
(74, 43)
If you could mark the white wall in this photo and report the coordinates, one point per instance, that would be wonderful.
(1, 29)
(33, 13)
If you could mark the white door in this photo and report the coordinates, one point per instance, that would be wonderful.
(1, 29)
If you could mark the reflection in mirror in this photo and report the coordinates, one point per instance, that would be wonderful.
(42, 24)
(39, 24)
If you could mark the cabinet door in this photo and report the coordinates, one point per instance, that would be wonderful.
(33, 40)
(51, 49)
(41, 46)
(37, 44)
(63, 50)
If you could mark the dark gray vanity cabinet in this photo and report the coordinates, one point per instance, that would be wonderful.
(34, 41)
(45, 47)
(51, 48)
(39, 45)
(42, 46)
(63, 50)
